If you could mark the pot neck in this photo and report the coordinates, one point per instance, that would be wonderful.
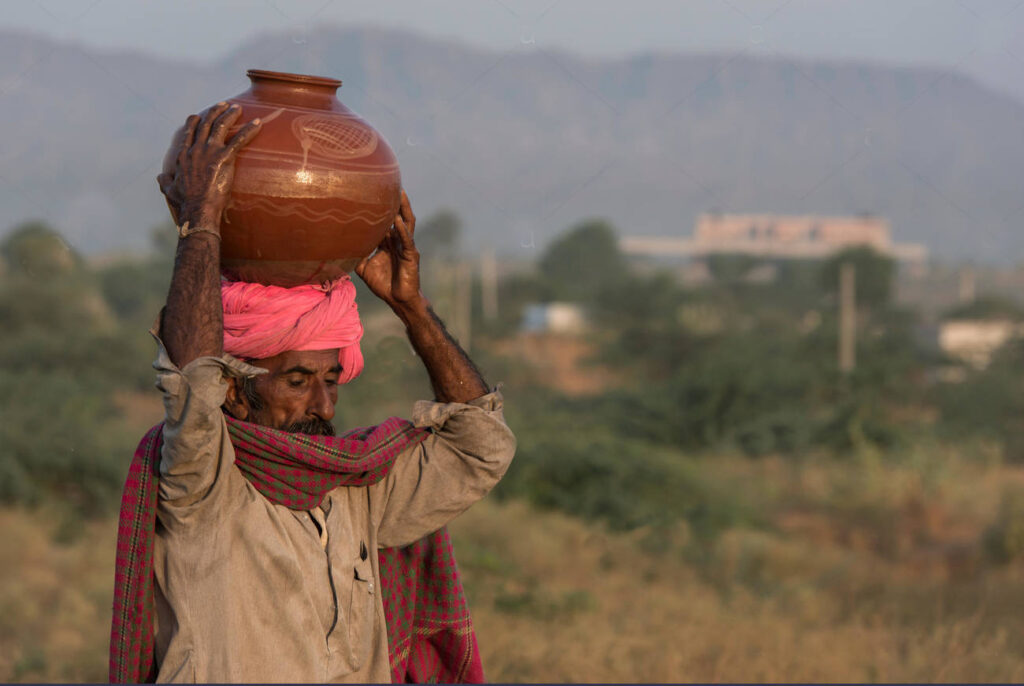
(293, 89)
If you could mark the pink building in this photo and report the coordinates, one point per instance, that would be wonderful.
(772, 235)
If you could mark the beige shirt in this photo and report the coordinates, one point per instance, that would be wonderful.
(247, 590)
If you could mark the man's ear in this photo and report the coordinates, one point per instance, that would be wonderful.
(235, 402)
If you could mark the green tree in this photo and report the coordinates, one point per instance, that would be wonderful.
(875, 274)
(989, 404)
(730, 267)
(650, 339)
(439, 236)
(585, 262)
(35, 249)
(988, 306)
(136, 288)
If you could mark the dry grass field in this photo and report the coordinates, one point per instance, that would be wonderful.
(901, 593)
(866, 572)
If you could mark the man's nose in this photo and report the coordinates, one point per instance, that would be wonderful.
(322, 404)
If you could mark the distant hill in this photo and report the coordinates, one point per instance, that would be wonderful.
(524, 143)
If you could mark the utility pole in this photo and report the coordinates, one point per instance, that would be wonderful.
(464, 303)
(489, 284)
(847, 317)
(968, 287)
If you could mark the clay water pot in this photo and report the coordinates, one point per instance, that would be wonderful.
(313, 193)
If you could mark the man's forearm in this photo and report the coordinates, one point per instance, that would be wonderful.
(193, 323)
(453, 376)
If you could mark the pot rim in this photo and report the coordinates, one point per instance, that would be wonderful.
(305, 79)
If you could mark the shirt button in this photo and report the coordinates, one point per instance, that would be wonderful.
(370, 586)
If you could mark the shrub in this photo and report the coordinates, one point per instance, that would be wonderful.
(1004, 539)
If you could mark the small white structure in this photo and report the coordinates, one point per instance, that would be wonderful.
(556, 317)
(975, 341)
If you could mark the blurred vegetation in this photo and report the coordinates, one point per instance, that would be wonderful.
(988, 404)
(738, 365)
(584, 263)
(988, 307)
(735, 366)
(438, 236)
(73, 338)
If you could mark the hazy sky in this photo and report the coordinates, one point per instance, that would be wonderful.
(929, 30)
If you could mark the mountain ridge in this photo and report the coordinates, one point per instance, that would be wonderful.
(525, 142)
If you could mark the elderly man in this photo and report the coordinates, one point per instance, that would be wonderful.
(254, 544)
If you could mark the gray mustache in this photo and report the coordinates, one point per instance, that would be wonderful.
(313, 427)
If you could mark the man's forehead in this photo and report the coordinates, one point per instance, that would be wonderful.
(317, 361)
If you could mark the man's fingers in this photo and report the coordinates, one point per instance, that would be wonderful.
(165, 182)
(244, 135)
(404, 235)
(222, 123)
(396, 252)
(405, 208)
(203, 130)
(395, 243)
(190, 133)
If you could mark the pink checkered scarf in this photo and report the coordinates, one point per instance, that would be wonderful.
(430, 633)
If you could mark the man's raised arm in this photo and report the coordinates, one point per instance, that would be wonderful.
(193, 321)
(470, 447)
(393, 274)
(190, 368)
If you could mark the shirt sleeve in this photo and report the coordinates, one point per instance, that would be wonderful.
(467, 453)
(196, 452)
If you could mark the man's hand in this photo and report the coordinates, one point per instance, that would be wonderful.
(393, 272)
(197, 190)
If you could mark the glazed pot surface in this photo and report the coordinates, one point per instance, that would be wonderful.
(314, 191)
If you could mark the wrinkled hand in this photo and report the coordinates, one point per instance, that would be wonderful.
(204, 168)
(392, 272)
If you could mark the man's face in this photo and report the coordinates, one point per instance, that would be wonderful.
(297, 394)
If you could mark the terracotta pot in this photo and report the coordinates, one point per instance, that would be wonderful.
(314, 192)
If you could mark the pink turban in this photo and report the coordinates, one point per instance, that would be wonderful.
(263, 321)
